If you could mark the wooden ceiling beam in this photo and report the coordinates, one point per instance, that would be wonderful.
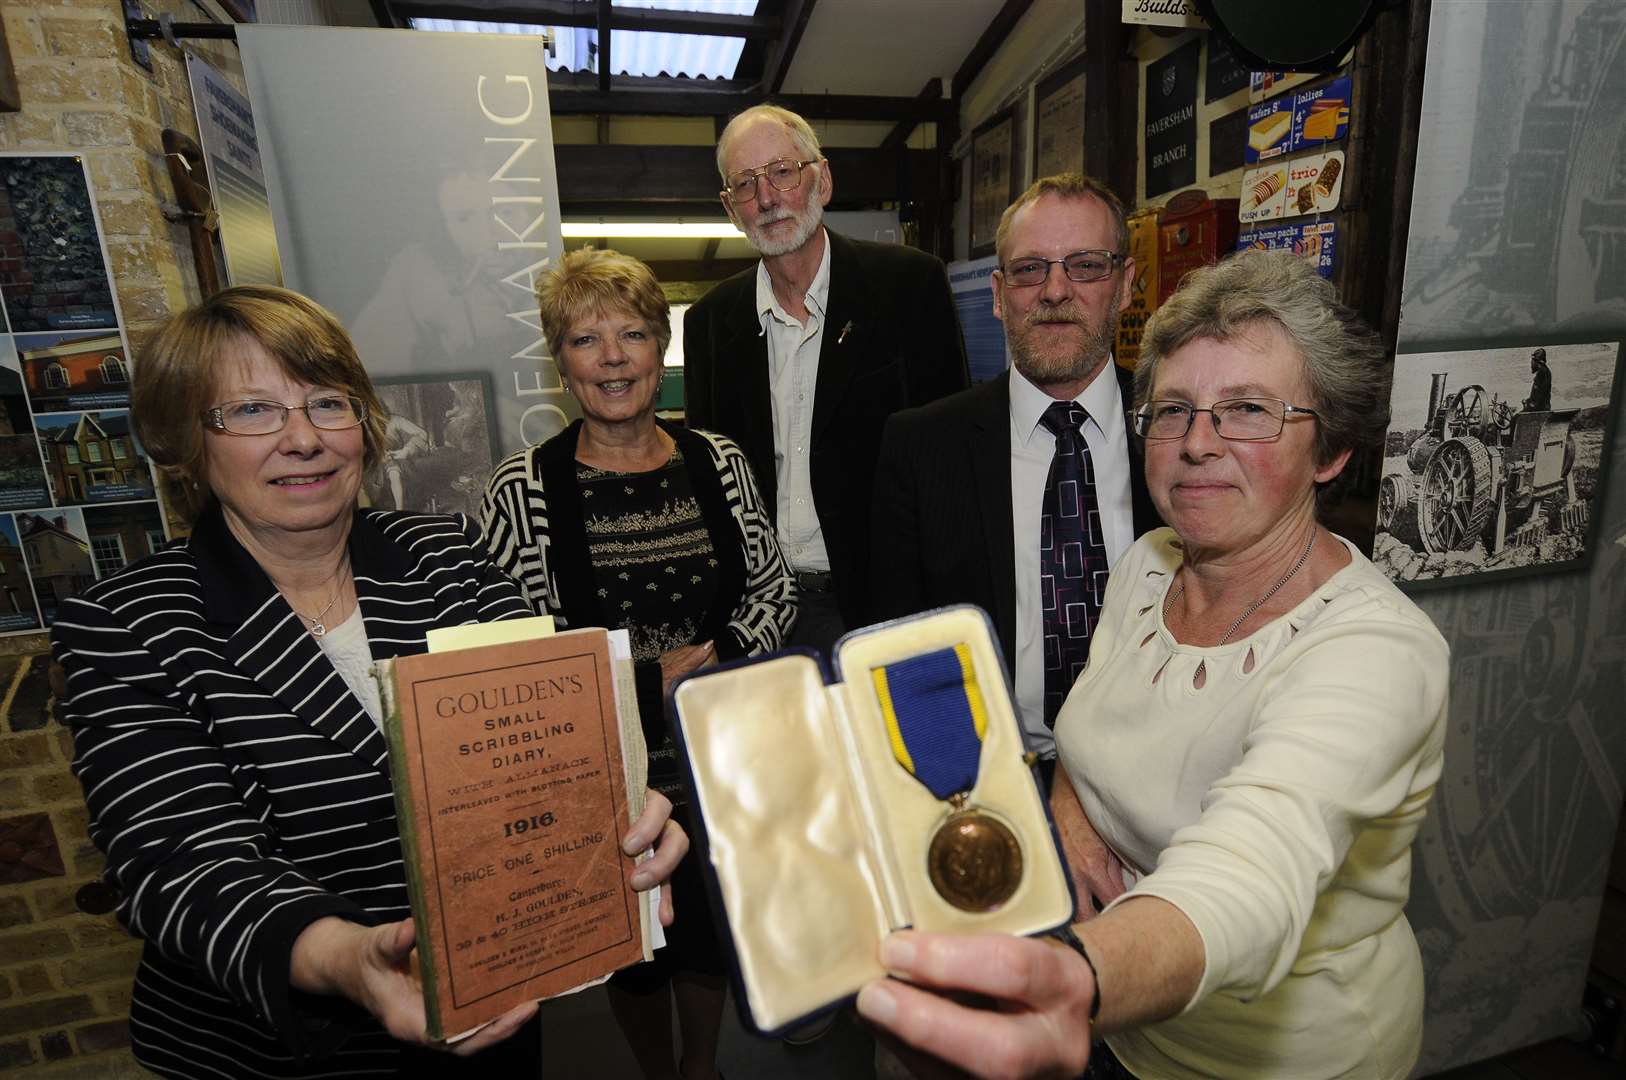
(992, 38)
(575, 94)
(898, 137)
(665, 176)
(564, 13)
(382, 13)
(782, 50)
(605, 38)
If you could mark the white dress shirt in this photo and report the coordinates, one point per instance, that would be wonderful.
(793, 370)
(1032, 448)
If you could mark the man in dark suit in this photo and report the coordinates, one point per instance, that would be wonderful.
(801, 359)
(961, 484)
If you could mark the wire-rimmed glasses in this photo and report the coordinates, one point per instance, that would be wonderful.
(256, 416)
(782, 174)
(1248, 419)
(1092, 264)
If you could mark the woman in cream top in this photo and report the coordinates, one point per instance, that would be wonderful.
(1249, 753)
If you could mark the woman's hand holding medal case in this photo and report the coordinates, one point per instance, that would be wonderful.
(830, 815)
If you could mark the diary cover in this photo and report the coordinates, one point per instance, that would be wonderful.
(512, 799)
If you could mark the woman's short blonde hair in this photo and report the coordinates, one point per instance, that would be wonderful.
(589, 281)
(176, 379)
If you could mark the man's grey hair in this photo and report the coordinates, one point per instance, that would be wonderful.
(800, 132)
(1345, 363)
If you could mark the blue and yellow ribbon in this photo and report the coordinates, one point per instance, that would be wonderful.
(935, 717)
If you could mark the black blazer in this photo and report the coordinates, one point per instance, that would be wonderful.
(903, 349)
(943, 528)
(239, 789)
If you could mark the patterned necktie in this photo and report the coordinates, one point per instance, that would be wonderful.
(1072, 556)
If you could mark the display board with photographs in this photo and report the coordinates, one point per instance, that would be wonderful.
(78, 499)
(1494, 458)
(439, 446)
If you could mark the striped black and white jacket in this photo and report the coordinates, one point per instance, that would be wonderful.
(535, 532)
(240, 791)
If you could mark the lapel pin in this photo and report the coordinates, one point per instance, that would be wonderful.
(845, 330)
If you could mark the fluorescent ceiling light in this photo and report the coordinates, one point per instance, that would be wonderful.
(652, 230)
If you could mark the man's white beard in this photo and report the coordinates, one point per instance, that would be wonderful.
(807, 223)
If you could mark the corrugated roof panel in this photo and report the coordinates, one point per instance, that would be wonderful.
(633, 52)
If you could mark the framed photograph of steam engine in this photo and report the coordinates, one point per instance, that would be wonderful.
(439, 445)
(1495, 460)
(993, 178)
(1058, 121)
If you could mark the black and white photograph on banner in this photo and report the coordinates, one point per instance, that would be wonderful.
(1493, 458)
(75, 370)
(93, 457)
(56, 549)
(438, 446)
(1519, 237)
(52, 273)
(423, 211)
(17, 609)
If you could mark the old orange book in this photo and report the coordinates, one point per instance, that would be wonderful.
(511, 791)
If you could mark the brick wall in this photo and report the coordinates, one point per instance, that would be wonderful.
(64, 974)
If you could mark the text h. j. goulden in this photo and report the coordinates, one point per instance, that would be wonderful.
(517, 737)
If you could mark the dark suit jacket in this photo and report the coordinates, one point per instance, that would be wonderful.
(943, 528)
(240, 790)
(903, 349)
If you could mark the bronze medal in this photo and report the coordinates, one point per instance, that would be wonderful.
(935, 718)
(974, 861)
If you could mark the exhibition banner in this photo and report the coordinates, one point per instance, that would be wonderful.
(421, 212)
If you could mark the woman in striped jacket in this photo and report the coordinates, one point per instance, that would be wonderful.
(226, 729)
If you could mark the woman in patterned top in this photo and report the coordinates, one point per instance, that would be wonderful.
(623, 520)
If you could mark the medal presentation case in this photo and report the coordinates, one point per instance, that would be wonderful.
(828, 813)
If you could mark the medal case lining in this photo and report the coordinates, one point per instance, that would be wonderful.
(807, 905)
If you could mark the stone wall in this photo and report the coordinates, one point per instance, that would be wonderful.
(64, 974)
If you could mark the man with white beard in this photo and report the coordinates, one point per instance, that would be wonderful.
(801, 359)
(1019, 494)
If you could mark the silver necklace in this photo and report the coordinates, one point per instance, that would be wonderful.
(318, 628)
(1257, 604)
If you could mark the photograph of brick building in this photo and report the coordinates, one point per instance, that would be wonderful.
(51, 268)
(17, 610)
(75, 371)
(58, 556)
(121, 535)
(92, 457)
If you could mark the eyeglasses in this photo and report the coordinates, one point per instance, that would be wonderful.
(1237, 419)
(783, 174)
(1091, 265)
(330, 412)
